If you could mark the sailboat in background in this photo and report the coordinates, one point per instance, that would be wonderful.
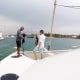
(1, 36)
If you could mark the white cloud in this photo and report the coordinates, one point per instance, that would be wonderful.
(36, 15)
(75, 29)
(8, 26)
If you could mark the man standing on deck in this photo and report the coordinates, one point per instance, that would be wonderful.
(40, 46)
(19, 37)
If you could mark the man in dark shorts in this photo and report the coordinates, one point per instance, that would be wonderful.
(19, 37)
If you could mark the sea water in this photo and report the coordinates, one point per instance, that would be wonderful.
(8, 45)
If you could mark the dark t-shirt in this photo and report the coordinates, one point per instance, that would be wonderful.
(18, 37)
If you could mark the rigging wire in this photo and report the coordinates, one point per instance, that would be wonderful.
(74, 7)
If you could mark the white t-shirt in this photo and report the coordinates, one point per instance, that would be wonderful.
(42, 40)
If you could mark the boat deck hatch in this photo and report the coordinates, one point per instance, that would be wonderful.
(9, 76)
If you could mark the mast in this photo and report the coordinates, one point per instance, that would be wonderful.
(52, 24)
(53, 17)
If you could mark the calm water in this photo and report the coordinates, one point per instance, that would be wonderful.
(8, 45)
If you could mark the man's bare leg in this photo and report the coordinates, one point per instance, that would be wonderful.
(41, 56)
(18, 52)
(35, 56)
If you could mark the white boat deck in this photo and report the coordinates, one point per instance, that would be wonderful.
(18, 65)
(65, 66)
(15, 65)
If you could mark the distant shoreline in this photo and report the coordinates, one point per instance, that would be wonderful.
(53, 35)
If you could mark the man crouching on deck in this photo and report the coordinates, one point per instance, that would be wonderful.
(19, 37)
(40, 46)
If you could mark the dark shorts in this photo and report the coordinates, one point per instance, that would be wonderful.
(18, 43)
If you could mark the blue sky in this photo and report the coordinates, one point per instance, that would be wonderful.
(37, 14)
